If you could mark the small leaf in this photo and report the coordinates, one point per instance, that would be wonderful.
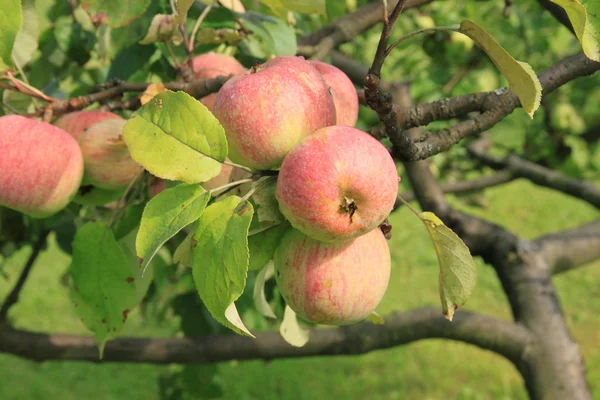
(163, 28)
(263, 244)
(267, 208)
(175, 137)
(281, 7)
(166, 214)
(130, 220)
(457, 268)
(586, 24)
(93, 196)
(119, 12)
(103, 288)
(26, 42)
(521, 77)
(182, 7)
(291, 332)
(376, 318)
(210, 35)
(260, 300)
(152, 90)
(220, 258)
(11, 19)
(270, 36)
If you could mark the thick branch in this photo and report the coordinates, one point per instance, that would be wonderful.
(474, 185)
(502, 337)
(13, 296)
(571, 248)
(539, 175)
(320, 43)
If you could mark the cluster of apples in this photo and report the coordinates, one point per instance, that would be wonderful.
(44, 165)
(336, 184)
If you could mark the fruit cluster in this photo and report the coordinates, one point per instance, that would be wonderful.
(335, 185)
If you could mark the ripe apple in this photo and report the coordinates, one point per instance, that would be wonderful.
(108, 164)
(343, 92)
(211, 65)
(268, 111)
(76, 123)
(332, 283)
(41, 166)
(337, 184)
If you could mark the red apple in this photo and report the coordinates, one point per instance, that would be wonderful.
(337, 184)
(343, 92)
(108, 164)
(41, 166)
(76, 123)
(212, 65)
(267, 112)
(332, 283)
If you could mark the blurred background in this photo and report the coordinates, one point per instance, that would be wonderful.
(563, 135)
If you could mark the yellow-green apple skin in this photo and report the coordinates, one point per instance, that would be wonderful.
(337, 184)
(108, 164)
(41, 166)
(332, 283)
(266, 112)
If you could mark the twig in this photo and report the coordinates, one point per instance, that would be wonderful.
(13, 296)
(197, 27)
(452, 28)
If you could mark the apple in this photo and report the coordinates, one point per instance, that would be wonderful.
(337, 184)
(332, 283)
(211, 65)
(343, 91)
(76, 123)
(108, 164)
(41, 166)
(268, 111)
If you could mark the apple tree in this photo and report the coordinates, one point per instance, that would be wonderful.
(246, 155)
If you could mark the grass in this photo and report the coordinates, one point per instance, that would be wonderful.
(432, 369)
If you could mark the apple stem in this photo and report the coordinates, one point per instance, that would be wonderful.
(234, 165)
(409, 207)
(231, 184)
(454, 28)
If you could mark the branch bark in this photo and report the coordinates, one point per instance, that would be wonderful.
(569, 249)
(505, 338)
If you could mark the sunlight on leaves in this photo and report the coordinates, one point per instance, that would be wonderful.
(521, 77)
(458, 274)
(586, 24)
(291, 331)
(11, 19)
(260, 300)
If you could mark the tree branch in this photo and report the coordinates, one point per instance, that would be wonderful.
(502, 337)
(320, 43)
(474, 185)
(538, 174)
(571, 248)
(13, 296)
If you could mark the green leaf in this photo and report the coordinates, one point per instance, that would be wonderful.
(521, 77)
(175, 137)
(26, 42)
(457, 268)
(281, 7)
(263, 244)
(103, 288)
(291, 332)
(93, 196)
(162, 28)
(220, 259)
(376, 318)
(11, 19)
(585, 19)
(210, 35)
(267, 207)
(270, 36)
(260, 300)
(130, 220)
(119, 12)
(182, 7)
(166, 214)
(183, 252)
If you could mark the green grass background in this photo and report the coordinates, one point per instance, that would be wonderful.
(429, 369)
